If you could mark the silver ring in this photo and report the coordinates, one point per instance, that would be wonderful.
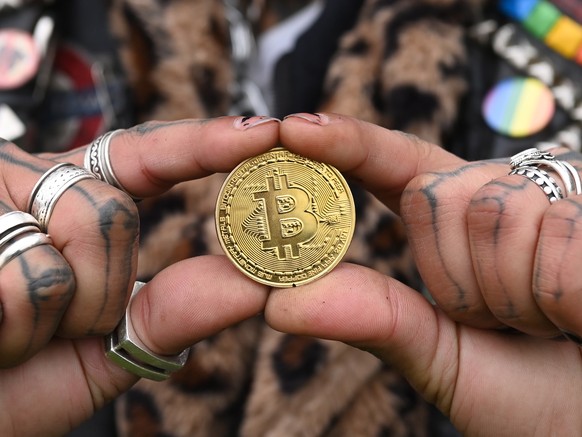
(98, 161)
(50, 187)
(558, 167)
(542, 179)
(124, 347)
(520, 158)
(575, 176)
(7, 237)
(21, 245)
(540, 158)
(16, 219)
(19, 231)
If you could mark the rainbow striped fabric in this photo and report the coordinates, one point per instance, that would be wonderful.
(546, 21)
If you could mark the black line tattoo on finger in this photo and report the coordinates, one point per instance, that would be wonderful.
(111, 214)
(8, 156)
(41, 284)
(431, 195)
(108, 214)
(572, 222)
(506, 190)
(152, 126)
(501, 198)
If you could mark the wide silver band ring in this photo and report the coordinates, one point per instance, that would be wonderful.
(50, 188)
(542, 179)
(124, 347)
(97, 160)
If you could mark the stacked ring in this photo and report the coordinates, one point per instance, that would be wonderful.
(124, 348)
(542, 179)
(98, 161)
(19, 232)
(50, 187)
(530, 163)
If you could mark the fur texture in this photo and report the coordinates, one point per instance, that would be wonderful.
(401, 66)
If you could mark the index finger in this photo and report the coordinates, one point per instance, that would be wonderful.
(150, 158)
(383, 161)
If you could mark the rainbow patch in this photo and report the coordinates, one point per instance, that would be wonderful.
(519, 106)
(544, 20)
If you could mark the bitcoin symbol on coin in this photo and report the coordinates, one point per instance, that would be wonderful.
(289, 220)
(284, 220)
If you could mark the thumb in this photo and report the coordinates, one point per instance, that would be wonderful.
(376, 313)
(186, 302)
(471, 375)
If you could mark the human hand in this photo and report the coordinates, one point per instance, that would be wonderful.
(493, 253)
(57, 301)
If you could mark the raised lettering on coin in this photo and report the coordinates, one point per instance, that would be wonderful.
(285, 220)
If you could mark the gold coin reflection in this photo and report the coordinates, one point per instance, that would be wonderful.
(285, 220)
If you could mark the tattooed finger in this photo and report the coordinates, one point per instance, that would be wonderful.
(95, 227)
(503, 220)
(150, 158)
(36, 285)
(102, 250)
(36, 288)
(557, 278)
(433, 208)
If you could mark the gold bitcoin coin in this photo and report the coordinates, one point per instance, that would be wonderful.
(283, 219)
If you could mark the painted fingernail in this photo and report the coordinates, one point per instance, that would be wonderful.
(312, 117)
(573, 337)
(244, 123)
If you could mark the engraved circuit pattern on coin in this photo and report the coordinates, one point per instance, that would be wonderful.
(285, 220)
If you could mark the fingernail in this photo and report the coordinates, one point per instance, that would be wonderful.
(244, 123)
(312, 117)
(573, 337)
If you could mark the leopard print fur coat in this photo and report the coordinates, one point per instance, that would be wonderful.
(401, 65)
